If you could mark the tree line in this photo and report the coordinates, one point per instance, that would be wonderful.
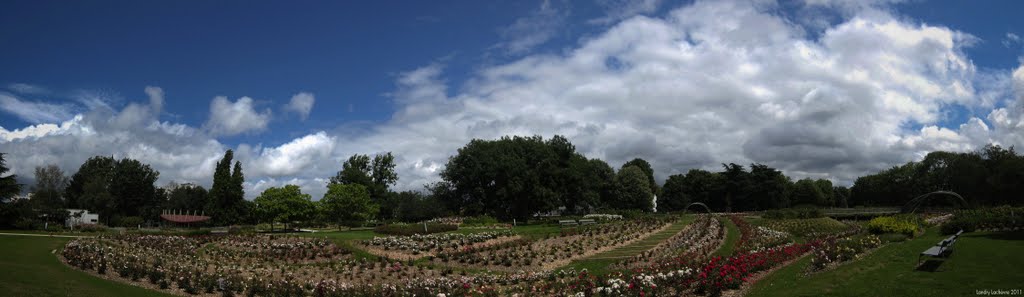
(508, 178)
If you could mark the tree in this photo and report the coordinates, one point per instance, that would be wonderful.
(806, 192)
(826, 189)
(9, 186)
(415, 207)
(132, 187)
(770, 187)
(513, 177)
(673, 195)
(49, 188)
(347, 204)
(227, 197)
(186, 197)
(10, 212)
(96, 168)
(377, 176)
(737, 188)
(286, 204)
(355, 170)
(648, 171)
(634, 189)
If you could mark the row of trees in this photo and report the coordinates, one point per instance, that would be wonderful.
(737, 189)
(990, 176)
(512, 177)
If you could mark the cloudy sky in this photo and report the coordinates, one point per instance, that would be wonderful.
(823, 89)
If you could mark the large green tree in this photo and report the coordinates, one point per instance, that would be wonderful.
(347, 204)
(377, 175)
(115, 189)
(634, 189)
(515, 177)
(673, 195)
(227, 204)
(285, 204)
(648, 170)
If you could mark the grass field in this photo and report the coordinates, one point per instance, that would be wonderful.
(29, 269)
(732, 236)
(983, 260)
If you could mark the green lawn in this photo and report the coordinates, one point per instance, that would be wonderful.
(732, 236)
(29, 269)
(982, 260)
(598, 264)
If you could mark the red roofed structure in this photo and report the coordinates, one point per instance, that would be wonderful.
(183, 218)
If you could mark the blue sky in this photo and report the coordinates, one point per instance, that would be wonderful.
(684, 84)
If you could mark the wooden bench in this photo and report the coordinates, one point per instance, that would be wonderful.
(941, 249)
(587, 222)
(567, 223)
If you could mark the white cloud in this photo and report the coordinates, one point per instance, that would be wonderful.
(302, 104)
(1011, 39)
(301, 154)
(33, 111)
(28, 89)
(232, 118)
(532, 30)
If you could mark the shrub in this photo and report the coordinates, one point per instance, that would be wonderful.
(902, 224)
(970, 220)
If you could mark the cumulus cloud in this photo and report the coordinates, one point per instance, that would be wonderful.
(232, 118)
(302, 104)
(300, 154)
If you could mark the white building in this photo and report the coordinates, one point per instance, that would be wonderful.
(80, 216)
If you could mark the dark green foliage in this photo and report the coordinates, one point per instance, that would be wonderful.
(634, 190)
(285, 205)
(9, 186)
(347, 204)
(412, 206)
(806, 192)
(674, 196)
(377, 176)
(516, 177)
(115, 188)
(226, 204)
(987, 177)
(648, 171)
(186, 197)
(410, 229)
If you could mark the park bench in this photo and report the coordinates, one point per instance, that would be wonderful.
(941, 249)
(567, 222)
(587, 222)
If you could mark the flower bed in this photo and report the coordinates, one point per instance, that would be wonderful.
(757, 238)
(554, 251)
(969, 220)
(808, 228)
(841, 250)
(415, 246)
(698, 240)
